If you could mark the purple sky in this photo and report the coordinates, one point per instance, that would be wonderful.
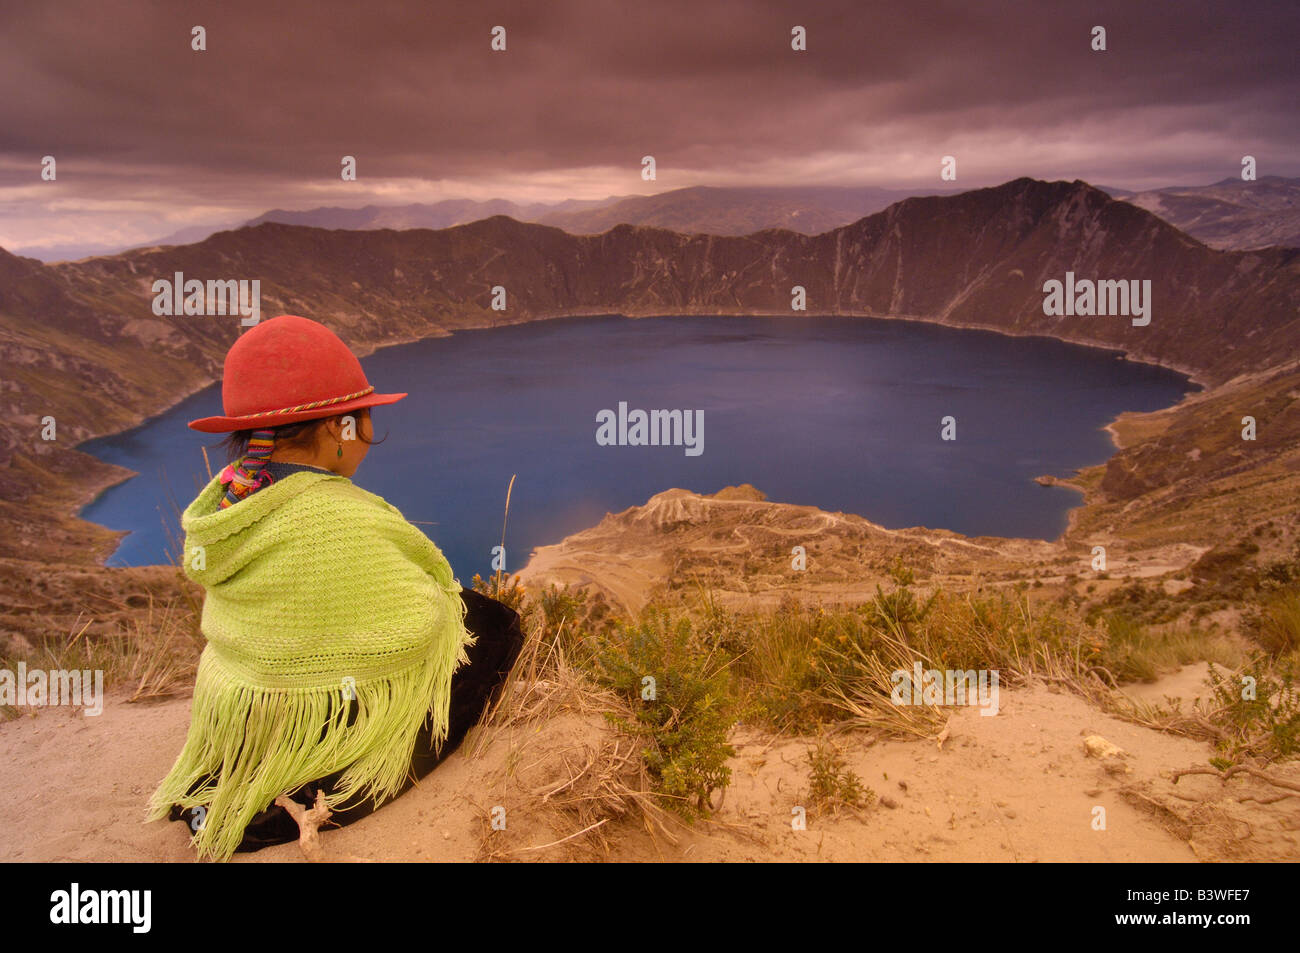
(151, 137)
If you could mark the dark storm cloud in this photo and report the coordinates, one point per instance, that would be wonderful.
(141, 125)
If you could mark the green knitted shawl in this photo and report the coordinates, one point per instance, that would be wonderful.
(317, 592)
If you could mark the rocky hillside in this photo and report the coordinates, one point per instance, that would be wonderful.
(742, 548)
(1187, 474)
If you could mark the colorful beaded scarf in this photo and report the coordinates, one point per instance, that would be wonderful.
(249, 473)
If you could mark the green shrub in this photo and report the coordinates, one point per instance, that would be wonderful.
(1266, 725)
(832, 784)
(503, 589)
(686, 723)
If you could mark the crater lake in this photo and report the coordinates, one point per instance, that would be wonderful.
(836, 412)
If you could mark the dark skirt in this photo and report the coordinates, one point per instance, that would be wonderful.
(473, 688)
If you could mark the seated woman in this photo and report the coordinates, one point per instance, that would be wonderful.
(342, 655)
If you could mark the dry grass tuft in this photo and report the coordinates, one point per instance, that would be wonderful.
(602, 791)
(155, 655)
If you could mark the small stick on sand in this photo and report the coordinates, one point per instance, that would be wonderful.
(309, 822)
(520, 850)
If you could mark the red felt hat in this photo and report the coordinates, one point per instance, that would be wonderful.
(286, 370)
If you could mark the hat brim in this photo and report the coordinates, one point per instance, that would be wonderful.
(231, 424)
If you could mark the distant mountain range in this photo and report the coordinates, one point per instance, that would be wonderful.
(72, 251)
(436, 215)
(705, 209)
(1229, 214)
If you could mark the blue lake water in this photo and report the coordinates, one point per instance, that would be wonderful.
(839, 413)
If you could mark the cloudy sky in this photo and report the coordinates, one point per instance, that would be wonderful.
(150, 136)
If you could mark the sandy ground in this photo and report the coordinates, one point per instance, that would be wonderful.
(1014, 787)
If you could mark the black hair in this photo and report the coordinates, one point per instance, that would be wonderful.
(304, 434)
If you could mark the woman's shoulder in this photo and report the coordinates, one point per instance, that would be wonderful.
(338, 494)
(342, 515)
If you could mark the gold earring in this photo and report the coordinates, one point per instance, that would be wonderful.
(340, 450)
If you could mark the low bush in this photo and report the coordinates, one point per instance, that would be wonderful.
(675, 680)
